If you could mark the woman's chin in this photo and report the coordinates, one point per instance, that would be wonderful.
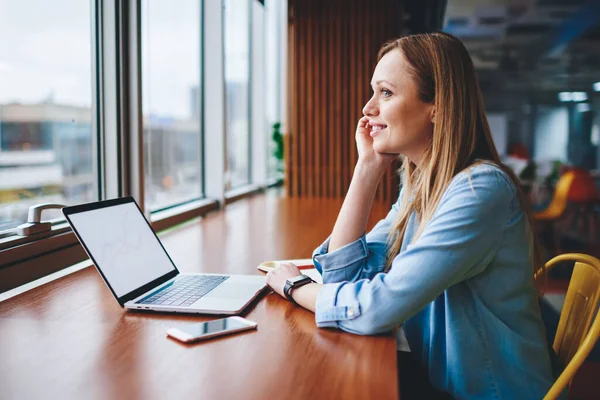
(381, 148)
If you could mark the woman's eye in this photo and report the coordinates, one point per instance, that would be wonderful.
(386, 93)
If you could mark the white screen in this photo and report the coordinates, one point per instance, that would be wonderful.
(123, 246)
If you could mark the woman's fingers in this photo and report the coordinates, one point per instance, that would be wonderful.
(363, 123)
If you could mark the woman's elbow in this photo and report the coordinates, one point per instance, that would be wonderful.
(369, 324)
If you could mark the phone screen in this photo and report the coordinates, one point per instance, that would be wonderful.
(213, 328)
(218, 325)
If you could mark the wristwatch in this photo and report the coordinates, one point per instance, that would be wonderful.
(294, 283)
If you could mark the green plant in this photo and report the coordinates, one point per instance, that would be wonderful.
(554, 175)
(278, 152)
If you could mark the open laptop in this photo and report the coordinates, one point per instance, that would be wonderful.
(139, 272)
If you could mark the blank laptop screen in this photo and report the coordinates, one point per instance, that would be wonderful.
(123, 246)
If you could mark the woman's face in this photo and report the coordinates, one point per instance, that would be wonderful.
(400, 122)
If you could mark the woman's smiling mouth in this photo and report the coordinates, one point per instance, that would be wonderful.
(376, 128)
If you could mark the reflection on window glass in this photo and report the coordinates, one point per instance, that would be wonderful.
(237, 72)
(171, 101)
(45, 106)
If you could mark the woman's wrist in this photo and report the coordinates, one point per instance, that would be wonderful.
(370, 170)
(306, 296)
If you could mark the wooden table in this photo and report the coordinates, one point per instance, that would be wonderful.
(69, 339)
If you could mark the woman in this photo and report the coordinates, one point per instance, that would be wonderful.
(451, 261)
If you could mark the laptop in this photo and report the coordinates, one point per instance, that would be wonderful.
(138, 271)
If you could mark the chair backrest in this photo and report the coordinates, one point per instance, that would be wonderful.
(574, 338)
(583, 187)
(561, 193)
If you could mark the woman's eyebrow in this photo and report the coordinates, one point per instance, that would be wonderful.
(384, 81)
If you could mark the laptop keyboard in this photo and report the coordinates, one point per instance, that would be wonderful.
(184, 291)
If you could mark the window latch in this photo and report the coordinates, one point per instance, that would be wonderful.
(34, 224)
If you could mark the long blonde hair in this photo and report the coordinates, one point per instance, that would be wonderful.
(445, 76)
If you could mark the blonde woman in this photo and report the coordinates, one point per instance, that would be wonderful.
(451, 262)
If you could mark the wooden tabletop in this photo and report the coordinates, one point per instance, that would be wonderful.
(70, 339)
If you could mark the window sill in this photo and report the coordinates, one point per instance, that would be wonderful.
(168, 218)
(41, 281)
(10, 239)
(239, 193)
(24, 263)
(25, 259)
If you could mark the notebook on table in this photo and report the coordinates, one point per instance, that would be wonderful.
(305, 265)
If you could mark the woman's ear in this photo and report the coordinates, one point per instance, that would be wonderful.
(432, 115)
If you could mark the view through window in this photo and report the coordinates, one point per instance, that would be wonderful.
(171, 101)
(45, 106)
(237, 84)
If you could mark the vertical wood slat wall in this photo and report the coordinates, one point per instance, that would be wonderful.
(332, 52)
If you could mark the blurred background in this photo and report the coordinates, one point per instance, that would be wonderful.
(538, 64)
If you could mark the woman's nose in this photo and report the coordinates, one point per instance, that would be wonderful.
(370, 108)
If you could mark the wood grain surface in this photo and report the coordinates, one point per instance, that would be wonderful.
(70, 339)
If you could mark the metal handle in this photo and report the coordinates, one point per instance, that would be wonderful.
(34, 224)
(35, 212)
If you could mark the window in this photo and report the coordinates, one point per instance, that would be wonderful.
(171, 102)
(237, 92)
(275, 21)
(45, 107)
(59, 144)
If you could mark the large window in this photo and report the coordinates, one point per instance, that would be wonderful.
(45, 106)
(171, 101)
(70, 109)
(237, 92)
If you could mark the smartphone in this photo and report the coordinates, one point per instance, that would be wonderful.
(209, 329)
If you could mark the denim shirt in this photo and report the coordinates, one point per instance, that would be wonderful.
(463, 291)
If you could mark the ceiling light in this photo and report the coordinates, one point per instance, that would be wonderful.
(565, 96)
(579, 96)
(596, 86)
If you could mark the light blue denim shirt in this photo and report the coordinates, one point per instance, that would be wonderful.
(463, 291)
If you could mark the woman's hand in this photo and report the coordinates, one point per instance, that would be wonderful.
(276, 278)
(366, 154)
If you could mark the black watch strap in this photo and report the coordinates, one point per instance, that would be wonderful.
(289, 287)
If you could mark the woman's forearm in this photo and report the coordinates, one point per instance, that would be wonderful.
(306, 295)
(354, 214)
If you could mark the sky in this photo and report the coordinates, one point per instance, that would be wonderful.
(48, 55)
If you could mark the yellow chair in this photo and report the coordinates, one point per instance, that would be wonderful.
(558, 205)
(556, 208)
(574, 338)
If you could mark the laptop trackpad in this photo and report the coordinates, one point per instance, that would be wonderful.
(231, 297)
(233, 290)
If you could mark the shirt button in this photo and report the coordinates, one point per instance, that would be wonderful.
(351, 312)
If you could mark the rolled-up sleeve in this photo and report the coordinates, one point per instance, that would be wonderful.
(459, 241)
(363, 258)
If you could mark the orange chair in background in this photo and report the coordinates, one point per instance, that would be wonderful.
(557, 207)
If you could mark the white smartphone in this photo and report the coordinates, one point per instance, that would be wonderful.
(209, 329)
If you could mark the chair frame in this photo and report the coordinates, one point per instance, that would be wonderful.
(573, 344)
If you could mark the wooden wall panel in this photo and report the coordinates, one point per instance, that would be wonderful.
(332, 50)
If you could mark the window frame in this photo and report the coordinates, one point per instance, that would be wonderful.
(117, 133)
(115, 113)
